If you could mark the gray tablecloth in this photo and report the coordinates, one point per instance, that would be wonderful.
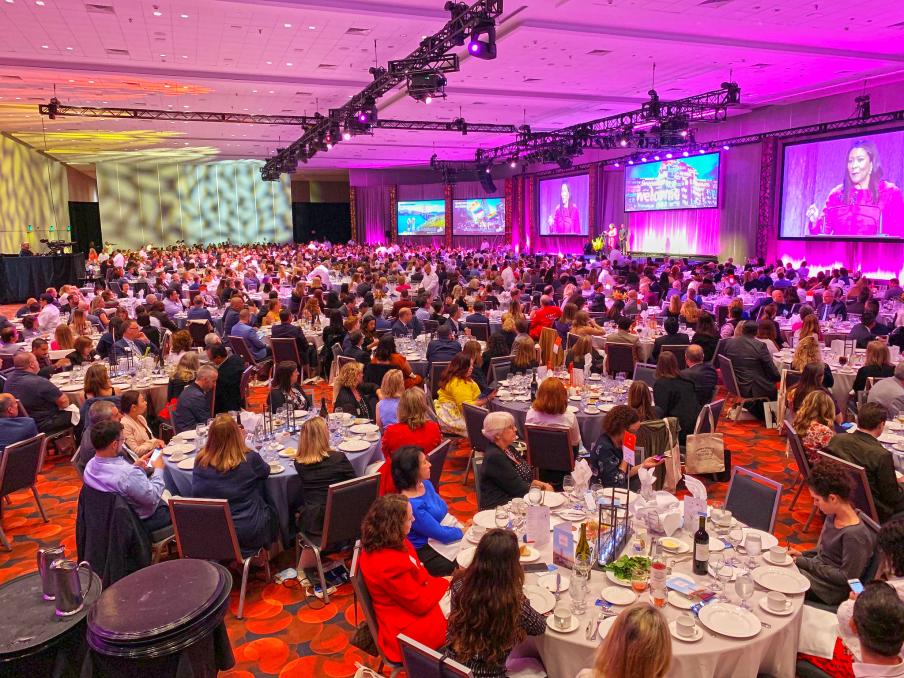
(591, 425)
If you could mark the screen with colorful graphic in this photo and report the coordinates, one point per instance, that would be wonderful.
(564, 205)
(673, 184)
(479, 216)
(847, 188)
(421, 217)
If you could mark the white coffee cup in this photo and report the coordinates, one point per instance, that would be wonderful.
(685, 625)
(778, 554)
(372, 436)
(561, 616)
(777, 602)
(724, 517)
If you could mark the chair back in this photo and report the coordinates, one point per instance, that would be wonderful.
(285, 348)
(645, 372)
(359, 586)
(797, 449)
(478, 469)
(115, 288)
(753, 499)
(343, 360)
(198, 329)
(6, 363)
(437, 459)
(240, 348)
(430, 326)
(679, 351)
(499, 368)
(792, 378)
(571, 339)
(346, 505)
(379, 333)
(721, 315)
(862, 496)
(480, 331)
(728, 376)
(204, 529)
(548, 339)
(166, 342)
(436, 373)
(711, 410)
(474, 417)
(869, 572)
(548, 448)
(619, 358)
(245, 382)
(424, 662)
(20, 464)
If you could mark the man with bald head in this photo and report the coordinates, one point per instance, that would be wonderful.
(703, 374)
(43, 401)
(544, 316)
(13, 428)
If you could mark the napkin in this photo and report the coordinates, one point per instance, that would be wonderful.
(447, 551)
(646, 477)
(695, 487)
(818, 631)
(75, 414)
(581, 474)
(250, 420)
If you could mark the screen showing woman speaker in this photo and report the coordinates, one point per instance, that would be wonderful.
(846, 188)
(564, 205)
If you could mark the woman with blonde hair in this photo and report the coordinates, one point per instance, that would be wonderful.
(877, 364)
(391, 390)
(808, 351)
(674, 309)
(62, 338)
(814, 422)
(318, 466)
(183, 374)
(514, 313)
(226, 469)
(638, 645)
(689, 312)
(415, 427)
(98, 310)
(353, 395)
(79, 324)
(524, 355)
(583, 325)
(809, 327)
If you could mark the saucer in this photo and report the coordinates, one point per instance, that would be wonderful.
(673, 629)
(572, 625)
(276, 467)
(618, 595)
(591, 410)
(679, 601)
(767, 556)
(788, 610)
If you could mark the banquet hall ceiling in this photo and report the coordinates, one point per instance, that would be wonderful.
(560, 62)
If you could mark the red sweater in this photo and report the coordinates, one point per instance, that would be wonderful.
(395, 436)
(543, 317)
(405, 599)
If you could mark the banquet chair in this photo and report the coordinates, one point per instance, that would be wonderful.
(198, 329)
(285, 348)
(862, 496)
(645, 372)
(480, 331)
(730, 381)
(548, 449)
(721, 315)
(115, 288)
(204, 529)
(499, 368)
(436, 373)
(6, 363)
(478, 467)
(474, 417)
(20, 464)
(549, 338)
(336, 350)
(424, 662)
(702, 425)
(346, 505)
(362, 595)
(679, 352)
(753, 499)
(803, 469)
(570, 340)
(343, 360)
(437, 459)
(619, 358)
(240, 347)
(430, 326)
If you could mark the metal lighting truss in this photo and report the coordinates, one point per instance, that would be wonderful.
(433, 51)
(457, 125)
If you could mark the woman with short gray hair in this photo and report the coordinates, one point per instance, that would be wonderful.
(504, 474)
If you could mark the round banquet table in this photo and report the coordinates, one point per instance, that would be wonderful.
(591, 425)
(155, 391)
(284, 488)
(772, 650)
(843, 376)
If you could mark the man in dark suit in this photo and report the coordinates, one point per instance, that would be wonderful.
(830, 307)
(405, 325)
(134, 339)
(231, 314)
(193, 406)
(284, 329)
(354, 349)
(777, 298)
(753, 366)
(703, 374)
(444, 347)
(229, 379)
(478, 316)
(672, 337)
(13, 428)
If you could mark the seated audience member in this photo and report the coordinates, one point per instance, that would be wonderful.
(504, 474)
(198, 310)
(889, 392)
(706, 336)
(47, 367)
(866, 330)
(765, 332)
(814, 423)
(193, 406)
(353, 395)
(390, 391)
(136, 433)
(133, 339)
(43, 401)
(183, 374)
(62, 338)
(231, 314)
(181, 345)
(226, 469)
(405, 597)
(102, 410)
(415, 427)
(286, 329)
(82, 353)
(318, 466)
(878, 622)
(862, 448)
(406, 324)
(244, 330)
(473, 351)
(524, 355)
(877, 365)
(582, 353)
(831, 307)
(13, 428)
(753, 366)
(385, 358)
(544, 316)
(606, 458)
(9, 338)
(285, 388)
(845, 544)
(411, 476)
(489, 612)
(97, 386)
(672, 337)
(638, 645)
(355, 347)
(228, 396)
(640, 399)
(456, 387)
(443, 348)
(550, 408)
(478, 315)
(809, 352)
(585, 326)
(624, 335)
(702, 374)
(675, 395)
(108, 471)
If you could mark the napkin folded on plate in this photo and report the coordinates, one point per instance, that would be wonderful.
(647, 478)
(695, 487)
(582, 474)
(818, 631)
(660, 513)
(250, 420)
(76, 416)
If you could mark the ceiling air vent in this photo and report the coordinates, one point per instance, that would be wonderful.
(10, 77)
(117, 52)
(100, 9)
(326, 67)
(357, 31)
(714, 2)
(532, 79)
(303, 94)
(599, 52)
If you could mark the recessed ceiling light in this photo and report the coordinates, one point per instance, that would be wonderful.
(72, 81)
(157, 12)
(183, 16)
(162, 55)
(272, 92)
(167, 86)
(288, 63)
(312, 28)
(105, 102)
(185, 106)
(90, 82)
(254, 91)
(287, 25)
(269, 63)
(39, 3)
(184, 56)
(69, 49)
(45, 47)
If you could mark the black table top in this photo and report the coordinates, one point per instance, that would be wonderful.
(29, 622)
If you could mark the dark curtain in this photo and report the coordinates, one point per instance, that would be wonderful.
(24, 277)
(84, 217)
(321, 221)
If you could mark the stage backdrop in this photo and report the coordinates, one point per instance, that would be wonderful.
(211, 202)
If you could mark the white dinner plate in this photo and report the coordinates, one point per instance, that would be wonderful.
(354, 445)
(592, 410)
(767, 556)
(287, 452)
(474, 537)
(573, 624)
(190, 434)
(184, 448)
(574, 397)
(767, 540)
(615, 580)
(531, 556)
(673, 629)
(729, 620)
(672, 545)
(550, 499)
(887, 437)
(618, 595)
(276, 468)
(596, 377)
(606, 407)
(548, 582)
(679, 601)
(486, 519)
(605, 625)
(187, 464)
(71, 388)
(356, 420)
(299, 414)
(365, 428)
(781, 579)
(789, 608)
(465, 556)
(540, 599)
(572, 409)
(715, 544)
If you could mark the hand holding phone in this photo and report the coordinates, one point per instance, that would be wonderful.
(856, 586)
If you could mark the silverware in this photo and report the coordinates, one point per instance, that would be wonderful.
(557, 592)
(765, 625)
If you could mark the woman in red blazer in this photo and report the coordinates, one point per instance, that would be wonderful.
(405, 597)
(414, 428)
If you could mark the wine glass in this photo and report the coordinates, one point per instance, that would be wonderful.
(501, 517)
(578, 591)
(725, 573)
(568, 485)
(716, 561)
(744, 587)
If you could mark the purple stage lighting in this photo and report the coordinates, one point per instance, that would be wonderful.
(668, 156)
(655, 157)
(725, 147)
(643, 159)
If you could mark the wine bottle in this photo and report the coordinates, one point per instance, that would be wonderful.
(582, 550)
(658, 576)
(533, 386)
(323, 412)
(701, 547)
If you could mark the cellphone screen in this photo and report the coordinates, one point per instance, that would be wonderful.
(156, 455)
(856, 586)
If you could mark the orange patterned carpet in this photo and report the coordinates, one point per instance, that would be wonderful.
(285, 634)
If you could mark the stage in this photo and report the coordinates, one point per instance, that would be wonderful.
(24, 277)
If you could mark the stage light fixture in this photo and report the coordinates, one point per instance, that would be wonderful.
(702, 151)
(483, 49)
(655, 157)
(486, 180)
(514, 163)
(725, 147)
(685, 154)
(564, 161)
(52, 108)
(617, 165)
(668, 156)
(347, 136)
(426, 84)
(643, 159)
(630, 162)
(428, 99)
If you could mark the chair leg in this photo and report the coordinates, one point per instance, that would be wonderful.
(809, 519)
(796, 495)
(4, 540)
(395, 672)
(245, 571)
(37, 497)
(468, 465)
(323, 585)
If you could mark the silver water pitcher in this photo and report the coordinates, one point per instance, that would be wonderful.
(46, 556)
(68, 587)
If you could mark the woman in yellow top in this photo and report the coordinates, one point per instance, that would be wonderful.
(273, 308)
(456, 387)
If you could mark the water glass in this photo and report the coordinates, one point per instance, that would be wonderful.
(578, 591)
(725, 572)
(501, 517)
(754, 547)
(568, 485)
(716, 562)
(744, 587)
(535, 495)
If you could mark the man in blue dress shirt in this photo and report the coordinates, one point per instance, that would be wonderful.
(13, 428)
(244, 330)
